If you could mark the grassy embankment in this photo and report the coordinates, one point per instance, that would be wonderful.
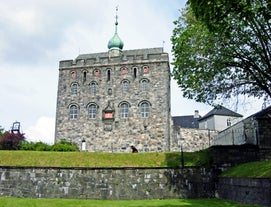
(28, 202)
(250, 170)
(96, 159)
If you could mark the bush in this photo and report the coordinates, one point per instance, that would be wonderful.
(65, 147)
(38, 146)
(11, 141)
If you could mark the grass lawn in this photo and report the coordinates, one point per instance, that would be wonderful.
(99, 159)
(250, 170)
(27, 202)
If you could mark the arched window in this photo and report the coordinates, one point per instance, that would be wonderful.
(145, 69)
(73, 112)
(74, 88)
(123, 71)
(92, 111)
(93, 88)
(144, 84)
(124, 109)
(135, 72)
(125, 86)
(108, 75)
(145, 109)
(84, 76)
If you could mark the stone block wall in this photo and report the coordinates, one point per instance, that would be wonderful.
(245, 190)
(107, 183)
(116, 133)
(191, 140)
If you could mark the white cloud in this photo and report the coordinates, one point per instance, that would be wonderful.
(42, 130)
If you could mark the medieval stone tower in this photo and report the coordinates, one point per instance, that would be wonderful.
(111, 100)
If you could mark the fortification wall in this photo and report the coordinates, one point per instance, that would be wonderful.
(245, 190)
(107, 183)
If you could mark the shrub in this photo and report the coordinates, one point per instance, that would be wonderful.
(64, 147)
(38, 146)
(11, 141)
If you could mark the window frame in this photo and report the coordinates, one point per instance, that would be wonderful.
(125, 86)
(74, 88)
(92, 111)
(73, 112)
(93, 88)
(124, 110)
(145, 109)
(144, 84)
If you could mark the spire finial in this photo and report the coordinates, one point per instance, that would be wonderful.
(117, 8)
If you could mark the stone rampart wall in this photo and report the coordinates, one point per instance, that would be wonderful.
(245, 190)
(106, 183)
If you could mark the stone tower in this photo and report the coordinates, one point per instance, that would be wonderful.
(111, 100)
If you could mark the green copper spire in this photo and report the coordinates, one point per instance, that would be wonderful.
(115, 42)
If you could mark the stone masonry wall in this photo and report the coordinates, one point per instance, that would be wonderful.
(107, 183)
(115, 134)
(245, 190)
(191, 140)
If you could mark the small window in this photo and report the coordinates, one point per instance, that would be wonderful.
(125, 86)
(144, 84)
(145, 69)
(109, 91)
(92, 111)
(123, 71)
(108, 115)
(124, 108)
(96, 72)
(74, 88)
(84, 76)
(145, 109)
(135, 72)
(73, 112)
(228, 122)
(73, 74)
(108, 75)
(93, 88)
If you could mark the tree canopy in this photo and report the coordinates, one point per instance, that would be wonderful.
(222, 49)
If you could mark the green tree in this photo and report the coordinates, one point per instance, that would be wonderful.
(222, 49)
(2, 132)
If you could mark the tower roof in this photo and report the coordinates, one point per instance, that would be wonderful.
(115, 42)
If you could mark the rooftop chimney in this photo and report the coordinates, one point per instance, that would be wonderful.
(196, 115)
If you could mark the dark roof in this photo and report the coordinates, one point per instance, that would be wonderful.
(220, 110)
(263, 113)
(186, 121)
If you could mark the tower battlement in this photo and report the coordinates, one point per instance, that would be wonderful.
(127, 57)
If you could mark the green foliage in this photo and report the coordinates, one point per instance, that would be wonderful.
(40, 146)
(26, 202)
(250, 170)
(65, 147)
(222, 49)
(2, 132)
(11, 141)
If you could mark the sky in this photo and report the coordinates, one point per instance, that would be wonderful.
(36, 34)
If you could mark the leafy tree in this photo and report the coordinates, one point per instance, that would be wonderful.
(2, 132)
(222, 49)
(11, 141)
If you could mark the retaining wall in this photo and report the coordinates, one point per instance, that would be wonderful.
(107, 183)
(245, 190)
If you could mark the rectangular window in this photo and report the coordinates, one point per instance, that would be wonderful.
(108, 115)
